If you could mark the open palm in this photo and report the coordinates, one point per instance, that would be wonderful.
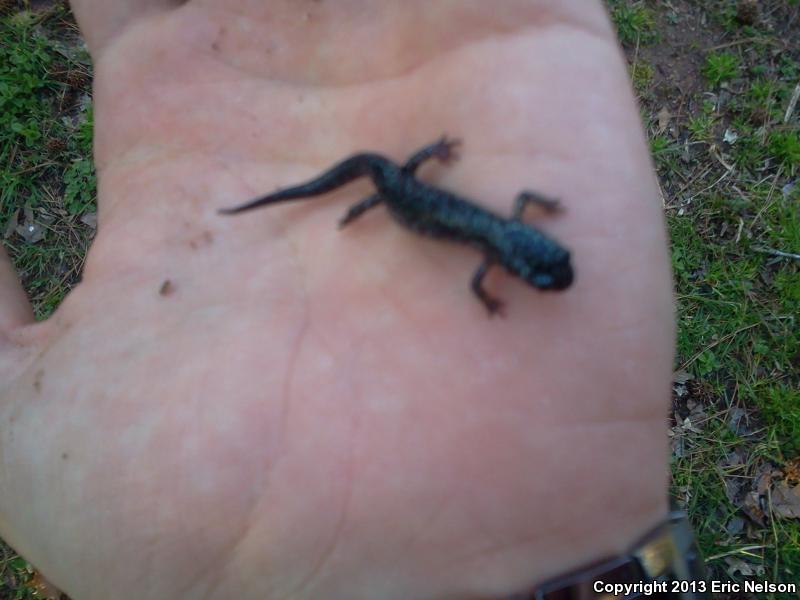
(263, 406)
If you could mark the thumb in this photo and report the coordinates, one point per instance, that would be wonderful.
(20, 335)
(15, 310)
(15, 314)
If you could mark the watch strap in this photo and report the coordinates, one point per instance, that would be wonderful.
(666, 557)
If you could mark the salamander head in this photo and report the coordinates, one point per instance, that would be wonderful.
(539, 260)
(557, 275)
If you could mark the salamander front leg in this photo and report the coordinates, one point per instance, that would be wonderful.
(359, 209)
(492, 304)
(529, 197)
(444, 150)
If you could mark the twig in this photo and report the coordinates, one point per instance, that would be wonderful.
(765, 41)
(780, 253)
(692, 180)
(635, 61)
(792, 103)
(743, 550)
(661, 193)
(713, 185)
(774, 531)
(716, 154)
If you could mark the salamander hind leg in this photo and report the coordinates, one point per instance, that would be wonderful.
(526, 197)
(492, 304)
(359, 209)
(444, 150)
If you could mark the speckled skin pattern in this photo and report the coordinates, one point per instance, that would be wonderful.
(521, 249)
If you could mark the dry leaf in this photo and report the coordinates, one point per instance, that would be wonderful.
(733, 489)
(730, 136)
(745, 568)
(751, 506)
(735, 526)
(735, 416)
(696, 411)
(733, 458)
(792, 471)
(764, 479)
(786, 501)
(31, 232)
(679, 379)
(687, 425)
(664, 117)
(678, 446)
(89, 219)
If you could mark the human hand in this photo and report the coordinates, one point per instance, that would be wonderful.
(304, 412)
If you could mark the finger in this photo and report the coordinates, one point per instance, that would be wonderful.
(15, 310)
(102, 21)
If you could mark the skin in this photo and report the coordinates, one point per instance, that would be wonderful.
(307, 413)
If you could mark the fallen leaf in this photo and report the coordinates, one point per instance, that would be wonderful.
(31, 232)
(89, 219)
(696, 412)
(730, 136)
(792, 471)
(735, 416)
(735, 526)
(733, 489)
(733, 458)
(687, 425)
(737, 565)
(664, 117)
(786, 501)
(764, 479)
(751, 506)
(678, 446)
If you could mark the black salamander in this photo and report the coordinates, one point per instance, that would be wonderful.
(521, 249)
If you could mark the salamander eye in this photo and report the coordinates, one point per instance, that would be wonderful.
(543, 280)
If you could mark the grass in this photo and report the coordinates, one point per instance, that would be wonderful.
(635, 22)
(15, 576)
(47, 179)
(721, 68)
(726, 160)
(727, 164)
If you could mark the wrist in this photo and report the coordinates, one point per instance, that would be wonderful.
(573, 548)
(664, 562)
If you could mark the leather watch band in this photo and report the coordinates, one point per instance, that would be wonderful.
(663, 564)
